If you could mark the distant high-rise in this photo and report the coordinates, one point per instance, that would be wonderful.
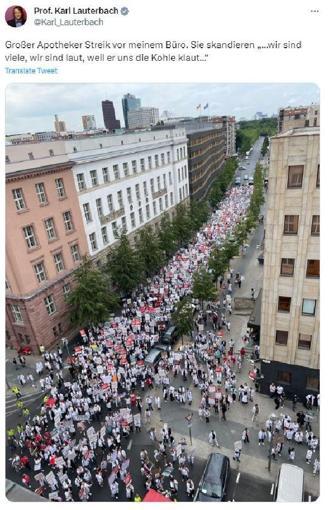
(110, 120)
(59, 125)
(88, 122)
(129, 103)
(143, 117)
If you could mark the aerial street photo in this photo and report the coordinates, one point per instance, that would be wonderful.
(162, 292)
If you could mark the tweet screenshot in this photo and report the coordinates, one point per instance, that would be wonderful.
(161, 251)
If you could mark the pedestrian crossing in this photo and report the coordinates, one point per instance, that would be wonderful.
(11, 400)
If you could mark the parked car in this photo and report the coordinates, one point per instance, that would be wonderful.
(170, 336)
(251, 180)
(153, 357)
(214, 481)
(238, 181)
(162, 347)
(289, 484)
(25, 350)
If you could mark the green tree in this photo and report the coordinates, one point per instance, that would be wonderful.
(149, 251)
(182, 224)
(166, 236)
(183, 317)
(91, 300)
(199, 212)
(218, 262)
(203, 287)
(124, 266)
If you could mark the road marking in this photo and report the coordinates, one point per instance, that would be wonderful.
(130, 444)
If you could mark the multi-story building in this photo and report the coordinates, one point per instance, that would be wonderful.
(110, 121)
(302, 116)
(144, 117)
(45, 241)
(71, 197)
(289, 335)
(60, 126)
(129, 103)
(229, 125)
(88, 122)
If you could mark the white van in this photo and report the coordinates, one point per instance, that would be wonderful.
(289, 486)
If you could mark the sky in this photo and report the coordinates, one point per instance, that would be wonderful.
(31, 107)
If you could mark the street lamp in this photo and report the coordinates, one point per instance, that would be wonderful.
(272, 418)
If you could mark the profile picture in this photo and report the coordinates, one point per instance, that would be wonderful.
(15, 16)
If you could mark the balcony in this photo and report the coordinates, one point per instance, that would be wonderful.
(112, 216)
(160, 193)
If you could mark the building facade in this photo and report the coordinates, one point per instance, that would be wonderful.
(110, 121)
(88, 122)
(289, 335)
(227, 123)
(302, 116)
(129, 103)
(206, 157)
(45, 241)
(142, 117)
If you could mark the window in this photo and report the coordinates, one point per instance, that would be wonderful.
(105, 171)
(142, 164)
(60, 189)
(164, 177)
(41, 193)
(166, 201)
(93, 242)
(180, 194)
(287, 267)
(17, 314)
(132, 220)
(154, 208)
(115, 229)
(99, 207)
(30, 236)
(308, 307)
(284, 304)
(281, 337)
(315, 229)
(162, 158)
(150, 162)
(50, 229)
(51, 152)
(145, 188)
(110, 203)
(160, 204)
(152, 185)
(93, 177)
(148, 215)
(170, 179)
(19, 199)
(87, 213)
(50, 304)
(177, 153)
(75, 252)
(171, 198)
(290, 224)
(134, 166)
(283, 377)
(295, 176)
(168, 157)
(124, 224)
(138, 195)
(304, 341)
(313, 268)
(120, 201)
(125, 169)
(105, 236)
(81, 182)
(140, 214)
(30, 154)
(116, 171)
(156, 160)
(68, 223)
(40, 272)
(312, 383)
(55, 331)
(158, 183)
(318, 177)
(66, 289)
(59, 262)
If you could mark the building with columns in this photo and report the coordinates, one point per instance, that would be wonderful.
(289, 335)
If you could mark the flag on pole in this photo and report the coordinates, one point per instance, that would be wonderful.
(206, 106)
(198, 107)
